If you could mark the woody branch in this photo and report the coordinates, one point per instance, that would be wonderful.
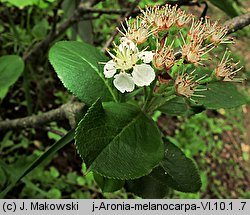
(63, 111)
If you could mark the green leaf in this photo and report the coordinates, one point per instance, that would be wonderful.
(107, 184)
(54, 173)
(46, 155)
(11, 67)
(118, 141)
(152, 186)
(1, 28)
(230, 7)
(175, 107)
(19, 3)
(39, 31)
(77, 65)
(54, 193)
(24, 3)
(221, 95)
(3, 177)
(157, 102)
(181, 171)
(179, 106)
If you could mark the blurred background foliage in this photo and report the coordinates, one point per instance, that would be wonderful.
(219, 141)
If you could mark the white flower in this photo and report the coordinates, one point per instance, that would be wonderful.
(143, 75)
(125, 59)
(126, 43)
(124, 82)
(146, 56)
(109, 69)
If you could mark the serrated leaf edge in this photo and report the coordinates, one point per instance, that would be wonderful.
(89, 169)
(91, 65)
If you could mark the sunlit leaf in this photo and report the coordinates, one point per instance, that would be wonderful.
(77, 65)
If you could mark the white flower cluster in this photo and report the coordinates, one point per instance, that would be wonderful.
(132, 66)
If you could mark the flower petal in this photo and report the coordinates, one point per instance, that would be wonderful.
(124, 82)
(146, 56)
(109, 69)
(128, 44)
(143, 75)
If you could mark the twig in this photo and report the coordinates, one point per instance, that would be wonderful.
(85, 10)
(204, 12)
(82, 10)
(52, 130)
(73, 108)
(65, 111)
(238, 22)
(55, 17)
(183, 3)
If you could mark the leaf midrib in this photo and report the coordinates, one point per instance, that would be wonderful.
(117, 135)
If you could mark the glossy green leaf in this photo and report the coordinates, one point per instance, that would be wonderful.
(77, 65)
(119, 141)
(179, 106)
(152, 186)
(107, 184)
(11, 67)
(175, 107)
(46, 155)
(221, 95)
(182, 172)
